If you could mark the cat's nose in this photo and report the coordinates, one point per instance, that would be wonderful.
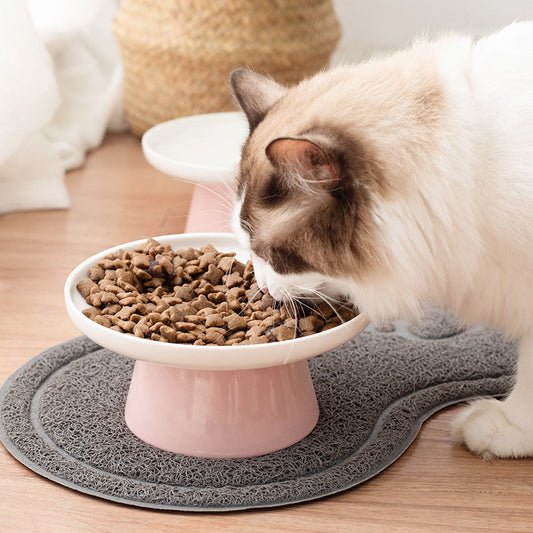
(264, 290)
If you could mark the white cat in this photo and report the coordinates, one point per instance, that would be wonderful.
(403, 181)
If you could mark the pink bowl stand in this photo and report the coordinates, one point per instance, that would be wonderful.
(220, 413)
(210, 209)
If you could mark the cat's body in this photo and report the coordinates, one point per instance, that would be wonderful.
(401, 182)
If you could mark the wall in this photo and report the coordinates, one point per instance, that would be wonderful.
(373, 25)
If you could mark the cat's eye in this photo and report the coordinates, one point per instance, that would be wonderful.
(274, 191)
(286, 261)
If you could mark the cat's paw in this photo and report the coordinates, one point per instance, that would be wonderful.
(485, 427)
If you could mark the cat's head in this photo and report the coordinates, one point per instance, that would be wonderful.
(304, 192)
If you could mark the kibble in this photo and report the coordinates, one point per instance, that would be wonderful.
(197, 297)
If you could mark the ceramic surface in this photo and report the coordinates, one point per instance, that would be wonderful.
(200, 148)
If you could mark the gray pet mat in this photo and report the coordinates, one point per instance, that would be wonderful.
(61, 415)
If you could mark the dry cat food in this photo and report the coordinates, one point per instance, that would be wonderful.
(194, 296)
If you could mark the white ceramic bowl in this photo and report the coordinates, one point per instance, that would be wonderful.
(201, 357)
(200, 148)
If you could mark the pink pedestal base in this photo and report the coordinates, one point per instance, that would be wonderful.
(221, 414)
(210, 210)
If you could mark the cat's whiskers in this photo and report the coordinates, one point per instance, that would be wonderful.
(287, 298)
(228, 203)
(246, 226)
(326, 299)
(230, 189)
(309, 288)
(229, 270)
(225, 225)
(302, 304)
(249, 302)
(291, 302)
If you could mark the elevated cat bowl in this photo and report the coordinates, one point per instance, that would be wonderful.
(214, 401)
(204, 150)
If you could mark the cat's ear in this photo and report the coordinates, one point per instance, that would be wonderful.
(304, 159)
(255, 93)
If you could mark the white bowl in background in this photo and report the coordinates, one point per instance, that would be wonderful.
(200, 148)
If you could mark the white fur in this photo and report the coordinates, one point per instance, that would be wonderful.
(483, 176)
(479, 172)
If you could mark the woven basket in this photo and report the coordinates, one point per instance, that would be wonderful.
(178, 54)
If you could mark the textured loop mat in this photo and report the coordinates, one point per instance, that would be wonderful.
(62, 416)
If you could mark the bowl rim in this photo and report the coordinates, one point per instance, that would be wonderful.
(185, 170)
(210, 357)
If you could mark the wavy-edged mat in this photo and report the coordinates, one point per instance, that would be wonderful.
(61, 415)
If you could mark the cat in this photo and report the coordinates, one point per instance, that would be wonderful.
(404, 181)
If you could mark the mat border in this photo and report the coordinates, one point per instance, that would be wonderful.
(499, 383)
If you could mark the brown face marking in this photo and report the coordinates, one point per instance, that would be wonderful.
(274, 191)
(392, 103)
(324, 229)
(287, 260)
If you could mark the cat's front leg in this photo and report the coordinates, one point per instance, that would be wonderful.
(493, 428)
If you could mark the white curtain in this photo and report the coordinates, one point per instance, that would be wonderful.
(60, 90)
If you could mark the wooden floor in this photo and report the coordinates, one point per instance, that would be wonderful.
(118, 197)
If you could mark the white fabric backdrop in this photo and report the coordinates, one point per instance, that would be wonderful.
(61, 90)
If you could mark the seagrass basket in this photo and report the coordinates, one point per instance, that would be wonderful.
(178, 54)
